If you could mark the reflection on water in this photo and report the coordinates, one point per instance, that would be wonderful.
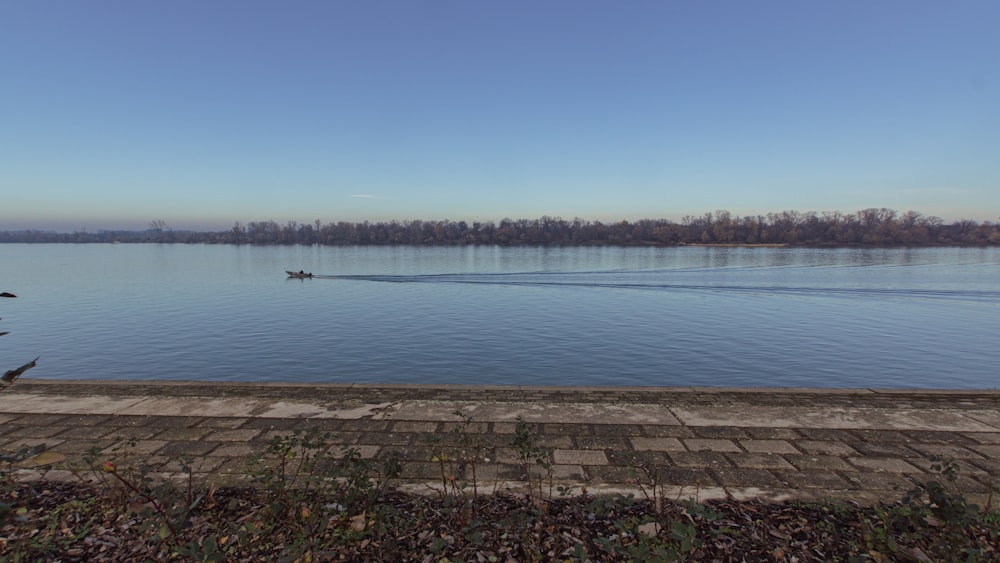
(558, 316)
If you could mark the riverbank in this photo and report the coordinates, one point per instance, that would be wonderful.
(404, 472)
(704, 443)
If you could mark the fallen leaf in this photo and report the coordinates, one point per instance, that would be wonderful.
(650, 529)
(47, 458)
(358, 522)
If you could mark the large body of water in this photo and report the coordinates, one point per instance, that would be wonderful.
(905, 318)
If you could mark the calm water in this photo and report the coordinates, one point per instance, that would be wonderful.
(926, 318)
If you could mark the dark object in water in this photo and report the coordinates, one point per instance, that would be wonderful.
(13, 374)
(300, 274)
(5, 294)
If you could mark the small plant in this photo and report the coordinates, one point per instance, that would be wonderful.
(529, 454)
(162, 509)
(934, 514)
(646, 475)
(312, 501)
(462, 454)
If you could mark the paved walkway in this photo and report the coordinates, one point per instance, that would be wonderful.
(703, 443)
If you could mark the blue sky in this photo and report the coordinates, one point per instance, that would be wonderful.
(203, 113)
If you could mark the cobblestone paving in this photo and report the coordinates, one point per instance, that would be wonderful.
(862, 445)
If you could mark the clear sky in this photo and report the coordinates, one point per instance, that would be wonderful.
(203, 113)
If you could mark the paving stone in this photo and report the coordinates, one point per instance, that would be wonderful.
(49, 443)
(198, 465)
(601, 443)
(699, 459)
(233, 435)
(490, 476)
(85, 432)
(768, 446)
(142, 447)
(443, 427)
(447, 440)
(991, 417)
(277, 424)
(33, 431)
(504, 427)
(266, 436)
(362, 425)
(990, 466)
(415, 426)
(965, 466)
(966, 484)
(365, 451)
(825, 480)
(991, 482)
(181, 449)
(883, 450)
(386, 438)
(131, 432)
(930, 436)
(825, 447)
(983, 437)
(772, 433)
(223, 422)
(990, 451)
(37, 420)
(608, 474)
(667, 431)
(553, 428)
(827, 434)
(562, 442)
(567, 472)
(237, 466)
(580, 457)
(886, 465)
(711, 445)
(878, 481)
(718, 432)
(759, 461)
(165, 421)
(405, 453)
(882, 436)
(853, 496)
(740, 477)
(945, 450)
(78, 420)
(74, 447)
(819, 463)
(836, 417)
(685, 476)
(331, 425)
(617, 430)
(345, 438)
(508, 456)
(657, 444)
(638, 459)
(183, 434)
(234, 449)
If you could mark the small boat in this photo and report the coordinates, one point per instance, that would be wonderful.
(299, 275)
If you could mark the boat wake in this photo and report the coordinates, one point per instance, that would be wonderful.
(640, 281)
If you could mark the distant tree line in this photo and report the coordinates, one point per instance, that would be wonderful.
(868, 227)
